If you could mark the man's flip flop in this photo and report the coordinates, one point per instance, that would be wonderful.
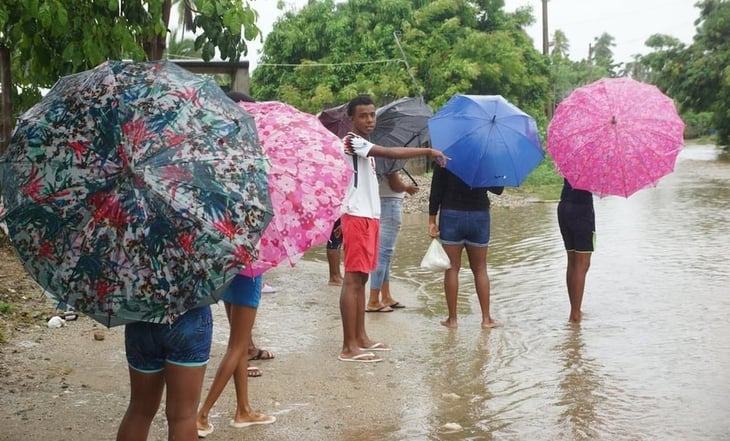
(397, 305)
(365, 357)
(383, 308)
(254, 372)
(268, 420)
(378, 347)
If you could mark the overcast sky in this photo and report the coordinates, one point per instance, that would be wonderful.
(630, 22)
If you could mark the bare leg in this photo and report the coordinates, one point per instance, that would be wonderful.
(183, 395)
(451, 283)
(478, 264)
(241, 319)
(374, 300)
(575, 278)
(144, 400)
(385, 291)
(333, 260)
(352, 311)
(244, 413)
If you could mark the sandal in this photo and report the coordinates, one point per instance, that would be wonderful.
(254, 372)
(262, 354)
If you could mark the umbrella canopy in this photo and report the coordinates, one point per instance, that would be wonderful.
(307, 182)
(336, 120)
(490, 142)
(403, 122)
(615, 136)
(135, 191)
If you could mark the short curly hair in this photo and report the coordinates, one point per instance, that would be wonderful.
(360, 100)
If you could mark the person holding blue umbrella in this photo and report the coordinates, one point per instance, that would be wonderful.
(464, 223)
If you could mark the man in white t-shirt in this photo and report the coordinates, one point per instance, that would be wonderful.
(360, 224)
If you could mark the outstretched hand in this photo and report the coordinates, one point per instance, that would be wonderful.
(354, 142)
(439, 157)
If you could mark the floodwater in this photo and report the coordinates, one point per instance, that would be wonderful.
(650, 361)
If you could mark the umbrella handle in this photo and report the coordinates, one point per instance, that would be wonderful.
(409, 175)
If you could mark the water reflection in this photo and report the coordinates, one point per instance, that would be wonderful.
(580, 389)
(651, 361)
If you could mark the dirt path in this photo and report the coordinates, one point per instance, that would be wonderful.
(62, 384)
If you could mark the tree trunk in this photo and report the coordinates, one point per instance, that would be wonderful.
(155, 47)
(6, 120)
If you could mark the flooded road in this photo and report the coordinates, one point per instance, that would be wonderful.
(651, 360)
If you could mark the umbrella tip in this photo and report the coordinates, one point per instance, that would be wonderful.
(613, 119)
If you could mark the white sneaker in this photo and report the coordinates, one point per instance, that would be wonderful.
(268, 289)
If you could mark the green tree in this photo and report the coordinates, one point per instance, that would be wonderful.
(602, 57)
(697, 76)
(40, 41)
(560, 45)
(328, 52)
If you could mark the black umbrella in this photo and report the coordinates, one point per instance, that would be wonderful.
(336, 120)
(403, 122)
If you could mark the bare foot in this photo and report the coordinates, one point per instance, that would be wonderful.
(451, 324)
(575, 317)
(490, 324)
(335, 282)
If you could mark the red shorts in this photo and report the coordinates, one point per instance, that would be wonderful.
(360, 241)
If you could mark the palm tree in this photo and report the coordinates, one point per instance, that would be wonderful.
(183, 48)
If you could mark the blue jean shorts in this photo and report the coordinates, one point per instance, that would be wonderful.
(185, 343)
(244, 291)
(459, 227)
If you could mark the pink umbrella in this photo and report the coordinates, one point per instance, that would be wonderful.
(615, 136)
(307, 182)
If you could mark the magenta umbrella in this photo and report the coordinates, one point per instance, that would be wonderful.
(307, 182)
(615, 136)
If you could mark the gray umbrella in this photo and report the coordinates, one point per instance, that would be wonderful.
(403, 122)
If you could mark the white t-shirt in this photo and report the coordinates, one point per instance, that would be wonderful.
(362, 197)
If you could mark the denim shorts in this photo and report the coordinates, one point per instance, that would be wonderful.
(459, 227)
(185, 343)
(244, 291)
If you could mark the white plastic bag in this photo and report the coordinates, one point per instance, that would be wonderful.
(436, 258)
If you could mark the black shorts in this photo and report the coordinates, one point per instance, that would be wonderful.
(577, 226)
(335, 241)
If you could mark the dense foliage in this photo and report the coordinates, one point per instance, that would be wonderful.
(328, 52)
(322, 55)
(41, 41)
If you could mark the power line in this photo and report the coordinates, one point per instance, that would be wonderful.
(350, 63)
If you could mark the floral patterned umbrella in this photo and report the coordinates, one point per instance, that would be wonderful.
(135, 191)
(615, 136)
(307, 182)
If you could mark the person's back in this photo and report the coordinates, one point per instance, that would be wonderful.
(577, 222)
(463, 223)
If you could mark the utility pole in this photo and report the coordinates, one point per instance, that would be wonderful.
(545, 38)
(546, 53)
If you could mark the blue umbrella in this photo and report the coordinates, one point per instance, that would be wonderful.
(490, 142)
